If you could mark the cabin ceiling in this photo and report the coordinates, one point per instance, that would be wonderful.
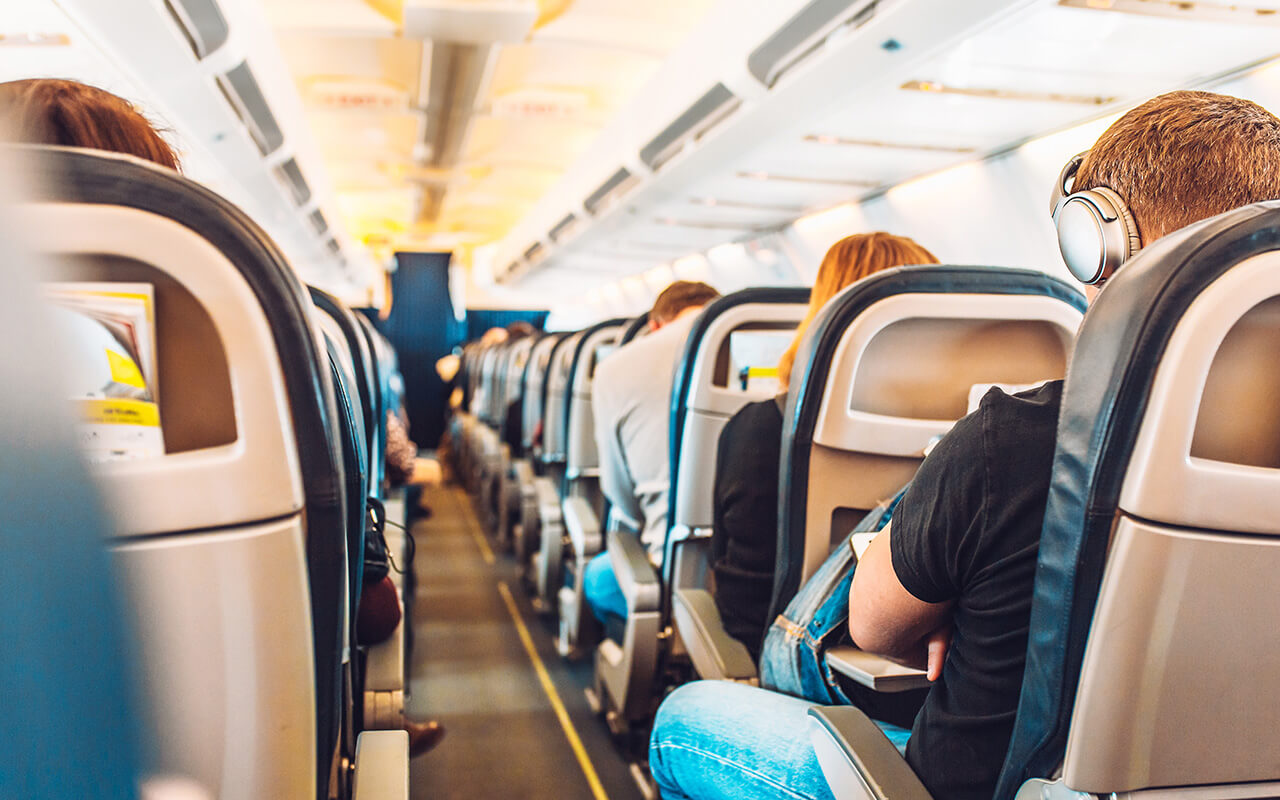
(836, 131)
(446, 143)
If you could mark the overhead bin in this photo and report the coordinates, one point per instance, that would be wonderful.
(245, 96)
(290, 175)
(201, 23)
(706, 112)
(611, 191)
(805, 33)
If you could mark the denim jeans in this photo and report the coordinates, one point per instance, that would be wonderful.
(601, 589)
(793, 659)
(717, 740)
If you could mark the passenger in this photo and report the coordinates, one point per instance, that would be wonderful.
(632, 408)
(744, 536)
(61, 112)
(960, 553)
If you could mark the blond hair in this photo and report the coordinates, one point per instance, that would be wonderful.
(848, 261)
(1186, 156)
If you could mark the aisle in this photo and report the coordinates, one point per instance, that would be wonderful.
(472, 671)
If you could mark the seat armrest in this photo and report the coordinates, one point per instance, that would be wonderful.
(636, 576)
(548, 499)
(583, 527)
(858, 760)
(524, 476)
(715, 654)
(382, 766)
(874, 672)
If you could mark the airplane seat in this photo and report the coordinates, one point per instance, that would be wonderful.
(382, 359)
(704, 396)
(885, 368)
(1152, 659)
(512, 436)
(525, 534)
(582, 503)
(635, 329)
(232, 542)
(548, 555)
(361, 361)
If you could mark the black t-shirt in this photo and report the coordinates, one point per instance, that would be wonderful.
(968, 530)
(744, 534)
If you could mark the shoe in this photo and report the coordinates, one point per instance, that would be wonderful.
(423, 736)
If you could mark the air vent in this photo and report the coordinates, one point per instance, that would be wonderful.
(708, 111)
(804, 33)
(318, 221)
(290, 174)
(564, 227)
(611, 191)
(246, 99)
(332, 246)
(201, 23)
(535, 253)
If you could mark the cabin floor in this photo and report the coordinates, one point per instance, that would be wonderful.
(479, 659)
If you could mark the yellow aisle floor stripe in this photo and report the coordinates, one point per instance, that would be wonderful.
(485, 551)
(570, 732)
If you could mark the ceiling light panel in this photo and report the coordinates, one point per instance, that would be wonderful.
(1257, 12)
(1078, 53)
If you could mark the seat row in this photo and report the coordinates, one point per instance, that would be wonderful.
(242, 547)
(1156, 543)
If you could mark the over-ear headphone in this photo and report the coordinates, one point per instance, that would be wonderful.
(1096, 232)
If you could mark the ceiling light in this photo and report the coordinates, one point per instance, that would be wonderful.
(714, 202)
(823, 138)
(1007, 94)
(771, 176)
(709, 225)
(1183, 9)
(34, 40)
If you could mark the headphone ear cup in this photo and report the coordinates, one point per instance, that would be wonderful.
(1125, 219)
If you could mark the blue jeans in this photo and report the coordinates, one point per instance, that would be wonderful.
(601, 589)
(716, 740)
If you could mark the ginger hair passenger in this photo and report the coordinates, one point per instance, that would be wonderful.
(1186, 156)
(72, 114)
(848, 261)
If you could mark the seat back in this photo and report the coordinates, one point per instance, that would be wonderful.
(582, 460)
(706, 391)
(635, 329)
(359, 359)
(514, 377)
(1154, 658)
(556, 389)
(885, 368)
(238, 598)
(384, 366)
(535, 376)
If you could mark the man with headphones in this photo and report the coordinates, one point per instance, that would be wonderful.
(948, 584)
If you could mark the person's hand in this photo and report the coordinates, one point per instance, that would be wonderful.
(936, 651)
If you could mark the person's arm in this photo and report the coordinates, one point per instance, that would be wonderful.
(909, 577)
(886, 619)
